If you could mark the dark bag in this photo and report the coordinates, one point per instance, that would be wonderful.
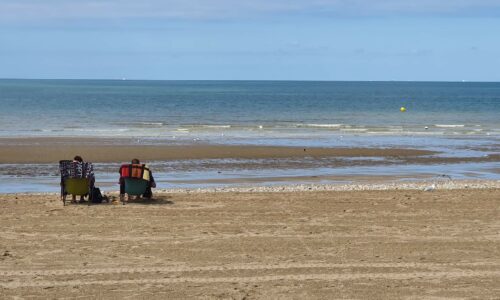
(96, 195)
(148, 193)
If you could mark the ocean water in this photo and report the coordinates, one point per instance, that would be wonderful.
(246, 111)
(460, 119)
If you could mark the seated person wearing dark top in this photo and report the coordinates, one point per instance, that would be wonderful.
(146, 174)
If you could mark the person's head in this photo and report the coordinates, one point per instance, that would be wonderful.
(135, 161)
(78, 158)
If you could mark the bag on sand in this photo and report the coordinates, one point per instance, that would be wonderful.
(96, 195)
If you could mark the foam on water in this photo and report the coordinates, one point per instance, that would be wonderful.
(160, 108)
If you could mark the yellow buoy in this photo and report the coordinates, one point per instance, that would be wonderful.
(402, 109)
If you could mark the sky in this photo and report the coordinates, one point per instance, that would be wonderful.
(446, 40)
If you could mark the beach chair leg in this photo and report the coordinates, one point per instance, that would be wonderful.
(90, 197)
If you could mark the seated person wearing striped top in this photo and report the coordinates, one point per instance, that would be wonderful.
(76, 168)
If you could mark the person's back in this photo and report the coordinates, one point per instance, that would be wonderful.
(138, 171)
(76, 168)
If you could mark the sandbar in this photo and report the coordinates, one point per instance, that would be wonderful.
(49, 150)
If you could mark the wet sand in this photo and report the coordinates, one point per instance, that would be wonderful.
(47, 150)
(29, 162)
(389, 244)
(112, 150)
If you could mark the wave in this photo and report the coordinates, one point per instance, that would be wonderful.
(152, 123)
(256, 130)
(140, 124)
(321, 125)
(449, 125)
(355, 129)
(212, 126)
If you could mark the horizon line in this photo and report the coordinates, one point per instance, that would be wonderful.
(263, 80)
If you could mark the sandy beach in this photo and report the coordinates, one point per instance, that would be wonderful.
(388, 244)
(282, 149)
(378, 237)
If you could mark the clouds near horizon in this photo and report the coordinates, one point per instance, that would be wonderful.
(36, 10)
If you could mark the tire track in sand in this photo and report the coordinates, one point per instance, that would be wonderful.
(235, 267)
(254, 279)
(226, 236)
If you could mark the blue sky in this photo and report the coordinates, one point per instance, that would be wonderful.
(265, 40)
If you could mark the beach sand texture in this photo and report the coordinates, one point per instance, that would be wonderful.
(396, 244)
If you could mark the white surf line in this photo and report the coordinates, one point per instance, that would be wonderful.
(252, 279)
(174, 269)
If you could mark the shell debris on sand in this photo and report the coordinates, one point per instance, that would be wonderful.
(417, 185)
(385, 186)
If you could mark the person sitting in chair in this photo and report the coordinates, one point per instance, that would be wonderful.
(138, 171)
(75, 169)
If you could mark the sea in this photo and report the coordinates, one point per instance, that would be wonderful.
(454, 118)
